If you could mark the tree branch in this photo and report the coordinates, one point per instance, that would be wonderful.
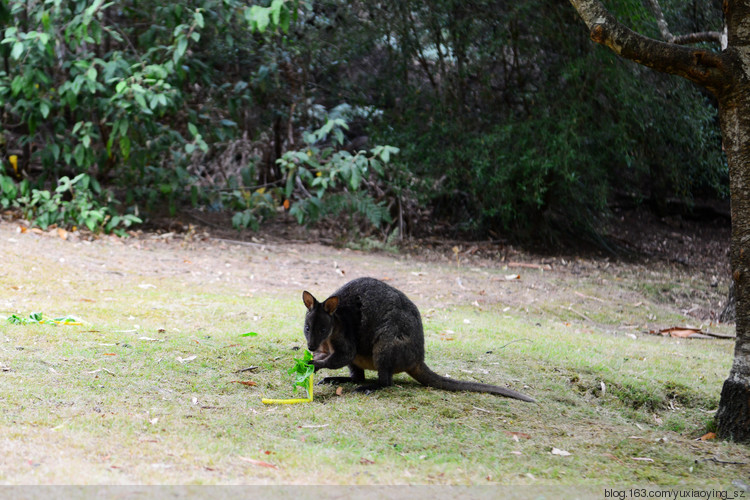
(661, 22)
(703, 36)
(701, 66)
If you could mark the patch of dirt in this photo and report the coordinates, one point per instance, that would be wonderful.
(676, 261)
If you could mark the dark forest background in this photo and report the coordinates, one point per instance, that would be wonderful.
(474, 119)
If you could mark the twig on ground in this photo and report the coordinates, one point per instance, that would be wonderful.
(527, 265)
(716, 460)
(579, 314)
(514, 341)
(590, 297)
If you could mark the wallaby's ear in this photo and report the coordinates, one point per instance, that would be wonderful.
(331, 304)
(309, 300)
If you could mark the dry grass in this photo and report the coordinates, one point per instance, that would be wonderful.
(121, 400)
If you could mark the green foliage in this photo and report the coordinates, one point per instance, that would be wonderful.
(102, 93)
(329, 181)
(39, 319)
(251, 207)
(302, 371)
(520, 126)
(73, 203)
(15, 319)
(9, 190)
(505, 117)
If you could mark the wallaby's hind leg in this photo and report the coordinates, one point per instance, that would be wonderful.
(397, 350)
(385, 379)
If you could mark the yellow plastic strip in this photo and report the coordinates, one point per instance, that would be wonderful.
(292, 401)
(65, 321)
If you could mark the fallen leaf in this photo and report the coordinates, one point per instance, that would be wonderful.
(708, 436)
(562, 453)
(62, 233)
(258, 463)
(683, 332)
(244, 382)
(186, 360)
(366, 461)
(642, 459)
(517, 435)
(339, 391)
(679, 332)
(101, 370)
(611, 457)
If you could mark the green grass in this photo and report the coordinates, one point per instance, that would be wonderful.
(104, 404)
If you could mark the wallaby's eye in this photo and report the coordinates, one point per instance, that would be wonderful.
(307, 328)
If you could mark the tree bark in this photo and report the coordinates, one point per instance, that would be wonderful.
(727, 76)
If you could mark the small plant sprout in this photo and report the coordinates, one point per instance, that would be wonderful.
(303, 372)
(15, 319)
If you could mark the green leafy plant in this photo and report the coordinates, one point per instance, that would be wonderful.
(8, 190)
(324, 179)
(84, 89)
(302, 371)
(251, 207)
(38, 318)
(15, 319)
(74, 203)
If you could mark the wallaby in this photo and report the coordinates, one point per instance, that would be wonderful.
(369, 325)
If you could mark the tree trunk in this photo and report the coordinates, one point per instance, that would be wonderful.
(729, 313)
(727, 75)
(733, 416)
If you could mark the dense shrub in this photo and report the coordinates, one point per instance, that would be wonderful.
(508, 121)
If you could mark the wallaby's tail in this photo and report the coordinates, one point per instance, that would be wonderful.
(425, 376)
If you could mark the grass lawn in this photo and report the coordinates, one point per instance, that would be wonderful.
(148, 390)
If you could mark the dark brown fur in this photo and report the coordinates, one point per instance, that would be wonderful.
(369, 325)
